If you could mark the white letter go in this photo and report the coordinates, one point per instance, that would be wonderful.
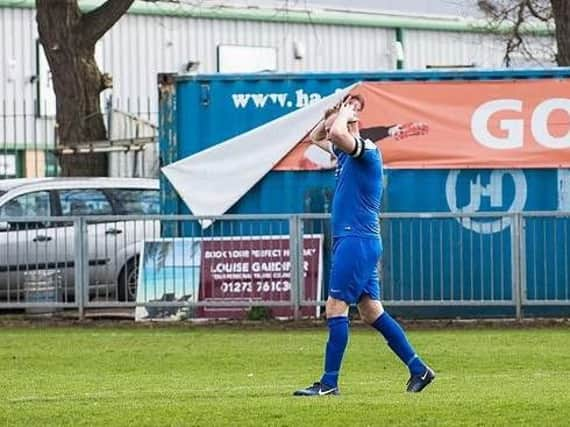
(515, 127)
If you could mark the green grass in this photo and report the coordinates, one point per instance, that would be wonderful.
(210, 377)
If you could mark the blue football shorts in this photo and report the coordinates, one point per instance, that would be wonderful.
(354, 268)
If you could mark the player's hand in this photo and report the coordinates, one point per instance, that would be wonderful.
(406, 130)
(343, 101)
(347, 111)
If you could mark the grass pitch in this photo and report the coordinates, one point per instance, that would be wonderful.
(210, 377)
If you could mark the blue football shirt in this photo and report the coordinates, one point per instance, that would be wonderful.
(356, 202)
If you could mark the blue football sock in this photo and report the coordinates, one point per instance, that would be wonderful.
(338, 338)
(398, 342)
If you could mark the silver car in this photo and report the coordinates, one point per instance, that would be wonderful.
(40, 244)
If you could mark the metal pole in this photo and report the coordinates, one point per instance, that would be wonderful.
(296, 257)
(522, 264)
(516, 263)
(81, 267)
(300, 266)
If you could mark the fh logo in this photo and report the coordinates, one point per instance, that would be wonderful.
(500, 190)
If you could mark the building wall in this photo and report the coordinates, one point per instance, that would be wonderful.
(442, 48)
(431, 48)
(17, 52)
(139, 47)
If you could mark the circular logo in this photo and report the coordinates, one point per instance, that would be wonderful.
(494, 191)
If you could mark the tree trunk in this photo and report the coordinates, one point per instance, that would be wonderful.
(561, 12)
(69, 37)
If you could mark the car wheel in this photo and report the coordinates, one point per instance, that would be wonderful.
(128, 279)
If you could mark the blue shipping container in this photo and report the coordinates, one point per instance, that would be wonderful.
(198, 112)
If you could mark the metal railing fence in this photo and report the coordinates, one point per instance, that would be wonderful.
(29, 145)
(237, 266)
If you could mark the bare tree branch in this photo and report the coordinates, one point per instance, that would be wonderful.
(537, 13)
(517, 21)
(97, 22)
(515, 40)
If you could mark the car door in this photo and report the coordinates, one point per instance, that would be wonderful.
(31, 246)
(133, 202)
(102, 238)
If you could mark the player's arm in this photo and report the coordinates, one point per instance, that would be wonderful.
(319, 137)
(376, 133)
(403, 131)
(339, 134)
(398, 131)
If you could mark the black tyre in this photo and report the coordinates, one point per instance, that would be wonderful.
(128, 279)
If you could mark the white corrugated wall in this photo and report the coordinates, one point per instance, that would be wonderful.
(17, 52)
(141, 46)
(444, 48)
(18, 90)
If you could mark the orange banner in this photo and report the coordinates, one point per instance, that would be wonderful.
(472, 124)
